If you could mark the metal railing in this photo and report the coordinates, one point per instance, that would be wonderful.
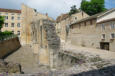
(7, 37)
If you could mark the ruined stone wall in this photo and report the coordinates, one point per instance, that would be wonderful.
(53, 42)
(29, 15)
(45, 41)
(9, 46)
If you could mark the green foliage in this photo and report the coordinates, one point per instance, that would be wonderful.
(1, 22)
(7, 33)
(93, 7)
(73, 10)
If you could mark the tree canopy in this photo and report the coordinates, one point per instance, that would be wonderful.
(93, 7)
(1, 22)
(73, 10)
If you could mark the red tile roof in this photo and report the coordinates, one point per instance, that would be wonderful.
(10, 10)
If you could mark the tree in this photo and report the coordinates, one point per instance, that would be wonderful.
(93, 7)
(1, 22)
(73, 10)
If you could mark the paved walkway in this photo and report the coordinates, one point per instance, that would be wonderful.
(102, 53)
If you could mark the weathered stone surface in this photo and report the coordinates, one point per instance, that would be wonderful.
(14, 68)
(44, 34)
(9, 67)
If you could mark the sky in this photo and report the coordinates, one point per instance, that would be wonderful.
(53, 7)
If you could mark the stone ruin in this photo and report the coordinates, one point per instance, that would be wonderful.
(45, 42)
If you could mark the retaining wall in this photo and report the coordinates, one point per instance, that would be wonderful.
(9, 46)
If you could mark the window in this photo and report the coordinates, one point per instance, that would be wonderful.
(6, 13)
(12, 17)
(12, 24)
(103, 36)
(18, 24)
(112, 25)
(112, 35)
(18, 33)
(18, 18)
(6, 17)
(6, 24)
(103, 27)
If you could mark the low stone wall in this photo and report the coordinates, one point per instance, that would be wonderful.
(9, 46)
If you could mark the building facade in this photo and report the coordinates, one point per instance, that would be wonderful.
(12, 20)
(97, 31)
(63, 22)
(19, 21)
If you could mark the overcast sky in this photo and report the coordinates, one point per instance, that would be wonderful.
(53, 7)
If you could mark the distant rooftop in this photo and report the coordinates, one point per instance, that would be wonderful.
(94, 16)
(10, 10)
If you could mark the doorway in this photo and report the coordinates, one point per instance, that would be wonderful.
(104, 45)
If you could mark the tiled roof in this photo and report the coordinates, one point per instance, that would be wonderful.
(10, 10)
(90, 17)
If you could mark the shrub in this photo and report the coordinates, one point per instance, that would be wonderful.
(7, 33)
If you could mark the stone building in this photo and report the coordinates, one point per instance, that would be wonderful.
(12, 20)
(63, 22)
(19, 21)
(97, 31)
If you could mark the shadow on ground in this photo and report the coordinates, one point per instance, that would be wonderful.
(106, 71)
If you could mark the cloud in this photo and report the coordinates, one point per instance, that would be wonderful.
(11, 4)
(53, 7)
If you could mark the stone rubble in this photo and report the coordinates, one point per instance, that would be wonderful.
(9, 67)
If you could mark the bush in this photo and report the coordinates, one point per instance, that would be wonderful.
(1, 22)
(7, 33)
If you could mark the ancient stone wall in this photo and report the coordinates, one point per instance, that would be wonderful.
(53, 42)
(46, 41)
(9, 46)
(29, 15)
